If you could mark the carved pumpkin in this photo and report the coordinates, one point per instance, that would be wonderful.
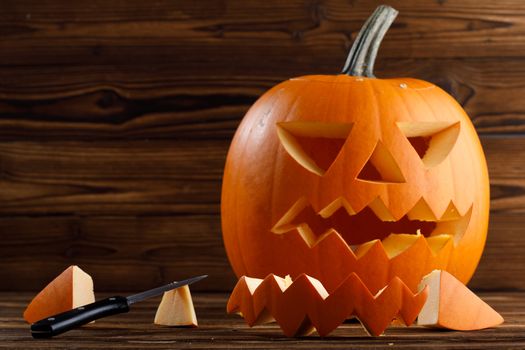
(329, 175)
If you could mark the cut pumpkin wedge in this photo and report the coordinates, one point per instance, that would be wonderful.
(450, 304)
(71, 289)
(176, 309)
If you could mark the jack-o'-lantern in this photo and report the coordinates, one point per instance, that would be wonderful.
(329, 175)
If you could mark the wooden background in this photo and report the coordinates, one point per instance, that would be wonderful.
(116, 116)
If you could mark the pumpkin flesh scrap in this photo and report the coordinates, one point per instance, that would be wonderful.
(176, 309)
(305, 305)
(71, 289)
(452, 305)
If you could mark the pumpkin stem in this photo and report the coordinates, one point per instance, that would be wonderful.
(362, 55)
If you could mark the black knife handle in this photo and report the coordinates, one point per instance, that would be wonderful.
(54, 325)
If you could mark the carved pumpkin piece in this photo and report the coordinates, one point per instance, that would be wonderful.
(329, 175)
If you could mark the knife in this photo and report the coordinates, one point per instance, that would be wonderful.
(65, 321)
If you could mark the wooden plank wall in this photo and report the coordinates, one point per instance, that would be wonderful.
(116, 116)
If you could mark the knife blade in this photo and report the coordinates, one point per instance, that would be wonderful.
(65, 321)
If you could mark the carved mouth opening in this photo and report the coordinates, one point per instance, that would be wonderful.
(372, 223)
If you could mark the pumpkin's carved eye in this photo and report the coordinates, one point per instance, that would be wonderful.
(381, 167)
(314, 145)
(432, 141)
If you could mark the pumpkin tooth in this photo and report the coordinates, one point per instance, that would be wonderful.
(396, 243)
(284, 224)
(451, 213)
(308, 236)
(438, 242)
(455, 228)
(287, 281)
(331, 208)
(252, 283)
(311, 239)
(421, 211)
(281, 282)
(380, 209)
(365, 247)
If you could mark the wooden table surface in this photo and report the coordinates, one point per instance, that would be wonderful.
(219, 330)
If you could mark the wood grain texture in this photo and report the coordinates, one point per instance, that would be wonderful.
(101, 32)
(167, 101)
(217, 330)
(115, 120)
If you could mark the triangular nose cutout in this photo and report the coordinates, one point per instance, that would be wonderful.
(314, 145)
(381, 167)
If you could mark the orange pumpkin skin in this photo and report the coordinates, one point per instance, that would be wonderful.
(324, 168)
(262, 181)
